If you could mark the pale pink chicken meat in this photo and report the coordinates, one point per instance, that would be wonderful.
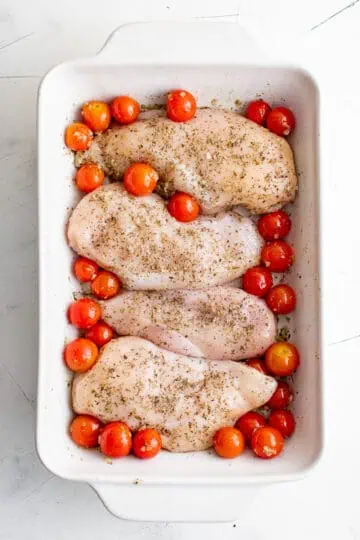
(187, 399)
(137, 239)
(219, 157)
(222, 323)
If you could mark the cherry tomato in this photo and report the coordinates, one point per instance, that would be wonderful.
(183, 207)
(267, 442)
(249, 423)
(257, 281)
(140, 179)
(282, 397)
(80, 355)
(115, 440)
(89, 177)
(85, 270)
(282, 359)
(229, 442)
(280, 121)
(84, 430)
(257, 111)
(78, 137)
(277, 256)
(105, 285)
(147, 443)
(274, 226)
(101, 333)
(281, 299)
(181, 106)
(125, 109)
(96, 115)
(258, 364)
(84, 313)
(283, 421)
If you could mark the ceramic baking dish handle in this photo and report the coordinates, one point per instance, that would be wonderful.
(176, 42)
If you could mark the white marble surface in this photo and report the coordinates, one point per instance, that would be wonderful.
(35, 35)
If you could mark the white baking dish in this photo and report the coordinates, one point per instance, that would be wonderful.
(215, 61)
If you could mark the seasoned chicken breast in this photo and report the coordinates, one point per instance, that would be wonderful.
(220, 157)
(186, 399)
(137, 239)
(220, 323)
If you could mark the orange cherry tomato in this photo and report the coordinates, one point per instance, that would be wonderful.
(229, 442)
(258, 364)
(147, 443)
(96, 115)
(281, 299)
(84, 313)
(80, 355)
(85, 270)
(89, 177)
(84, 430)
(282, 397)
(105, 285)
(283, 421)
(267, 442)
(282, 359)
(281, 121)
(140, 179)
(183, 207)
(125, 109)
(257, 281)
(277, 256)
(249, 423)
(274, 226)
(101, 333)
(181, 106)
(258, 111)
(78, 137)
(115, 440)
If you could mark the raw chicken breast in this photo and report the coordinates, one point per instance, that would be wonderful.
(220, 323)
(220, 157)
(186, 399)
(137, 239)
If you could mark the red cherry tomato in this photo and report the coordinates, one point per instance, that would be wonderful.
(84, 430)
(96, 115)
(84, 313)
(283, 421)
(89, 177)
(181, 106)
(140, 179)
(257, 111)
(274, 226)
(277, 256)
(101, 333)
(147, 443)
(125, 109)
(282, 359)
(249, 423)
(78, 137)
(267, 442)
(85, 270)
(281, 299)
(282, 397)
(115, 440)
(229, 442)
(258, 364)
(257, 281)
(183, 207)
(281, 121)
(105, 285)
(80, 355)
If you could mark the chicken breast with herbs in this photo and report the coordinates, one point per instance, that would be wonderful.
(219, 157)
(186, 399)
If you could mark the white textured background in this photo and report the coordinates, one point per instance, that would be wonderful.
(35, 35)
